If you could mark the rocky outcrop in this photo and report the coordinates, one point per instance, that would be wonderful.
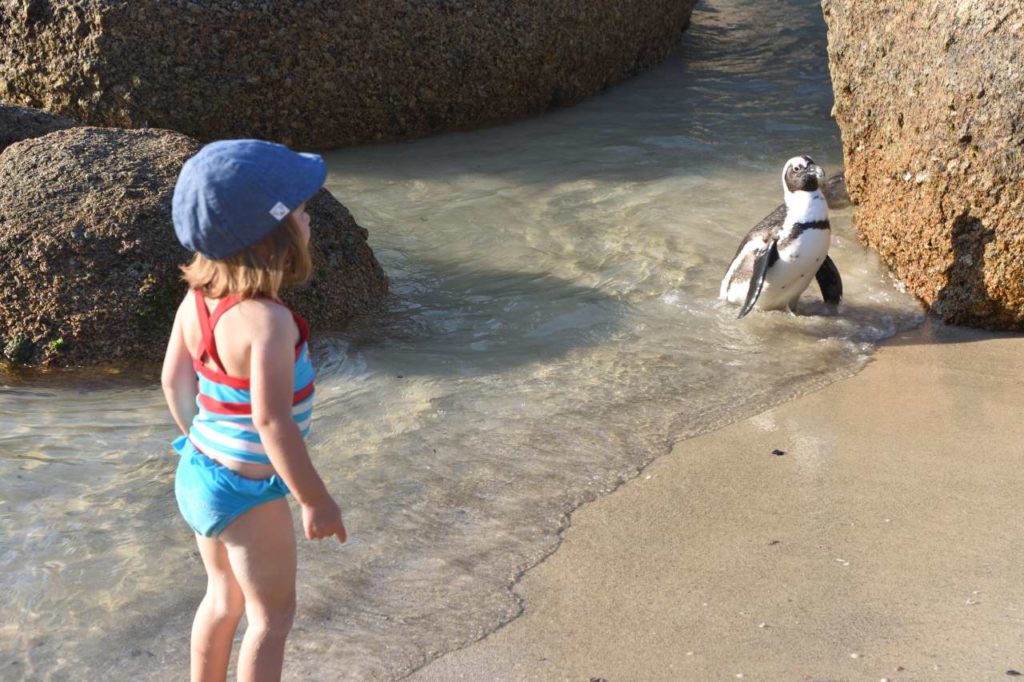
(929, 97)
(320, 73)
(90, 258)
(22, 123)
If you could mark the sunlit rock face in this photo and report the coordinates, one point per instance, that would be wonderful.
(930, 100)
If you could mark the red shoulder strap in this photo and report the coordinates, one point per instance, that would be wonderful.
(208, 346)
(303, 326)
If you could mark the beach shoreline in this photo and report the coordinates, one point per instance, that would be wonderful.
(880, 544)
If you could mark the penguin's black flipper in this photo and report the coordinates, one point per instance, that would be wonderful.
(829, 281)
(762, 261)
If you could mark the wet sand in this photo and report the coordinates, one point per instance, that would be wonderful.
(886, 542)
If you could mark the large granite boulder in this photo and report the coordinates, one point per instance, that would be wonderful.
(91, 261)
(929, 97)
(21, 123)
(320, 73)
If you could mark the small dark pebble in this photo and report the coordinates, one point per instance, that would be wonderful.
(1013, 673)
(399, 376)
(778, 453)
(775, 542)
(18, 350)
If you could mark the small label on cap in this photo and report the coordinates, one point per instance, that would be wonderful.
(279, 211)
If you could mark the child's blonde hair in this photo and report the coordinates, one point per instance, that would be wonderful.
(280, 260)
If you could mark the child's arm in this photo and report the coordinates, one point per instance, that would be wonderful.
(271, 383)
(178, 378)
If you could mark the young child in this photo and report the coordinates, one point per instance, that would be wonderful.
(240, 206)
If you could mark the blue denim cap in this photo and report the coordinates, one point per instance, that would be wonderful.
(233, 193)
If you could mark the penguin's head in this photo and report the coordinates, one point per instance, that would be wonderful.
(801, 174)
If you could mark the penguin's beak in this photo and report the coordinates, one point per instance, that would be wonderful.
(816, 170)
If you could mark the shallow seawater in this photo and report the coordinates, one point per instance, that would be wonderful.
(554, 327)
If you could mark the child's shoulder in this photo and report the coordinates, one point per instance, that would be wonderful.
(257, 308)
(256, 312)
(267, 308)
(264, 315)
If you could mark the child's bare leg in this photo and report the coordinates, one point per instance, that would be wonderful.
(217, 616)
(261, 548)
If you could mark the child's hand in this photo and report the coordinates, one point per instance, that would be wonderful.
(322, 519)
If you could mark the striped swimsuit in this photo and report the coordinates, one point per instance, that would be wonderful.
(211, 496)
(223, 427)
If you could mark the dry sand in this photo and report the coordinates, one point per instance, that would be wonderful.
(887, 542)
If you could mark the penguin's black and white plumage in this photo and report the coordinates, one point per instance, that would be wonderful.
(785, 251)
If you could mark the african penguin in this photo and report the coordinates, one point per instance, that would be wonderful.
(778, 258)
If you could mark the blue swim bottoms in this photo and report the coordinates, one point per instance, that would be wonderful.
(211, 496)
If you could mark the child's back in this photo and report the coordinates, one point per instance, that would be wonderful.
(233, 332)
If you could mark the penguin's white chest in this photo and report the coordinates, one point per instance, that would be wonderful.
(800, 257)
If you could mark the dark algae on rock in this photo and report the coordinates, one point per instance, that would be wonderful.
(91, 261)
(929, 97)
